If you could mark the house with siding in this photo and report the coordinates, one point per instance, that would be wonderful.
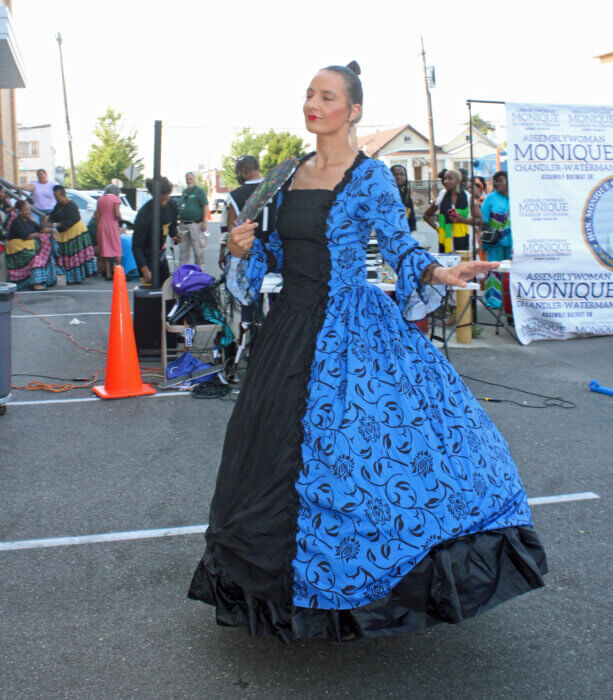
(403, 145)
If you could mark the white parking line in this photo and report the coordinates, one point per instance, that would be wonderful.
(75, 314)
(71, 291)
(200, 529)
(105, 537)
(564, 498)
(86, 399)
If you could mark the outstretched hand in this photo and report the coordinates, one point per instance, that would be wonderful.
(459, 275)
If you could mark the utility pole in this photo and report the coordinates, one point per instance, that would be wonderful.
(433, 165)
(73, 177)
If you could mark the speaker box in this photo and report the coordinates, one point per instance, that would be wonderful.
(148, 323)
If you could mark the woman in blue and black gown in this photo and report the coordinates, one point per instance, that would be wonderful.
(362, 490)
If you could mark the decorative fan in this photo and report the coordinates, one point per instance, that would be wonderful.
(267, 189)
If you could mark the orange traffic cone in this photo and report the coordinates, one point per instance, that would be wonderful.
(208, 214)
(122, 370)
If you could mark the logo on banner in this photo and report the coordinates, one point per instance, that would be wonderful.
(590, 117)
(536, 117)
(598, 222)
(543, 209)
(542, 328)
(595, 329)
(546, 248)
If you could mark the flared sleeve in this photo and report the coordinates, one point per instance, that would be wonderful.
(413, 265)
(244, 276)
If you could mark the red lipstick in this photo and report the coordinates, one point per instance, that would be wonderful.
(312, 118)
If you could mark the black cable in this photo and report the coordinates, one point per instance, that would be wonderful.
(549, 402)
(210, 390)
(46, 376)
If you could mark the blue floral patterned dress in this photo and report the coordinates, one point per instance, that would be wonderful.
(362, 489)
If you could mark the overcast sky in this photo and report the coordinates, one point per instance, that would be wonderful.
(208, 68)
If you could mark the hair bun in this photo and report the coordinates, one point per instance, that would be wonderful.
(354, 67)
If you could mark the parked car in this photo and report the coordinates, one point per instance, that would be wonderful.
(218, 206)
(86, 204)
(127, 213)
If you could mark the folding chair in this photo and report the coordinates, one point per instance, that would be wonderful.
(205, 332)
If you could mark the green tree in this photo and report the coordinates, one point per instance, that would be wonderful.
(481, 124)
(271, 148)
(201, 182)
(110, 155)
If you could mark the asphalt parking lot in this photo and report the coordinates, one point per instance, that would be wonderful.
(111, 619)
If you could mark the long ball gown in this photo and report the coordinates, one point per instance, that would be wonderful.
(362, 489)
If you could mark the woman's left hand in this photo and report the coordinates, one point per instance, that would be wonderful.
(459, 275)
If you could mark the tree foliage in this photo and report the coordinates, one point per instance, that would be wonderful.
(270, 148)
(110, 155)
(482, 124)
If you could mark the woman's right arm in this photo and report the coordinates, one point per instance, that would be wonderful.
(249, 260)
(429, 215)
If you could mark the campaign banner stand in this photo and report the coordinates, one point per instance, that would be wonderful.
(560, 167)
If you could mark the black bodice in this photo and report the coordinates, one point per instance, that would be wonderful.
(306, 259)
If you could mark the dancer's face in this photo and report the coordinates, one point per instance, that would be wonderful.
(326, 110)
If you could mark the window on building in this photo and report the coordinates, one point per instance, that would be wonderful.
(408, 139)
(28, 149)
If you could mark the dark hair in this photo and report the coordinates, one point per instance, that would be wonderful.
(247, 164)
(59, 188)
(353, 84)
(481, 180)
(20, 204)
(165, 185)
(441, 175)
(498, 174)
(41, 170)
(397, 165)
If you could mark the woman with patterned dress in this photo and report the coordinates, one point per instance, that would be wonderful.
(29, 252)
(454, 214)
(362, 490)
(76, 255)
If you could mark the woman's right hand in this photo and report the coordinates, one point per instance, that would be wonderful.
(241, 239)
(146, 274)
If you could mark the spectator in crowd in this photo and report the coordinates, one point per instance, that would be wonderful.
(464, 183)
(29, 252)
(480, 189)
(193, 214)
(143, 228)
(108, 234)
(76, 257)
(6, 209)
(496, 239)
(400, 175)
(456, 213)
(248, 174)
(42, 191)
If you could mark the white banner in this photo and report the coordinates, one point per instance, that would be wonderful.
(560, 160)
